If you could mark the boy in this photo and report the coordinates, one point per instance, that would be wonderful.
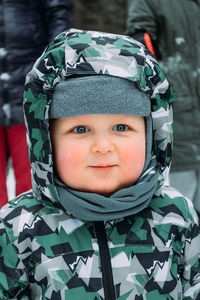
(100, 222)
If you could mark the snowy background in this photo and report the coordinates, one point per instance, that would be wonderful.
(11, 184)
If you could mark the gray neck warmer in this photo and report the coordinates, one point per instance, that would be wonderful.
(106, 95)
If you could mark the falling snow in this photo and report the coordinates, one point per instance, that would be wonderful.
(179, 40)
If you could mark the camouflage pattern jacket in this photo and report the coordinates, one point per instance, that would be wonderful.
(47, 254)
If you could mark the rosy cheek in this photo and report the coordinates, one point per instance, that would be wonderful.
(135, 157)
(73, 158)
(130, 154)
(73, 155)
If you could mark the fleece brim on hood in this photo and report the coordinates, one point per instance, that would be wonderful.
(79, 52)
(99, 94)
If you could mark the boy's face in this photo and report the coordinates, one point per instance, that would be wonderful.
(99, 153)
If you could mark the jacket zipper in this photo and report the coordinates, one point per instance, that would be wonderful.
(106, 267)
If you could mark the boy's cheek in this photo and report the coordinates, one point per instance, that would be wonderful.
(135, 159)
(72, 158)
(132, 153)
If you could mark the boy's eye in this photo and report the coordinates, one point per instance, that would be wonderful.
(80, 129)
(120, 127)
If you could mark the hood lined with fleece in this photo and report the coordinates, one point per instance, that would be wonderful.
(80, 52)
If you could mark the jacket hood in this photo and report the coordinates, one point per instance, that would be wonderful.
(81, 52)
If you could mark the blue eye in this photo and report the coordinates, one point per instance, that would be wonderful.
(120, 127)
(80, 129)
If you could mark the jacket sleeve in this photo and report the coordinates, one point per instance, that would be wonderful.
(191, 260)
(141, 17)
(57, 17)
(13, 279)
(142, 24)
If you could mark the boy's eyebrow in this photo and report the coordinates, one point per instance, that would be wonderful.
(129, 118)
(88, 122)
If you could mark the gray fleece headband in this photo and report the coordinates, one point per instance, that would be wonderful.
(98, 94)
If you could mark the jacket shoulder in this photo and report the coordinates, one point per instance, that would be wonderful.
(23, 211)
(169, 202)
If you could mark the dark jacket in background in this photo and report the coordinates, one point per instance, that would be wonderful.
(174, 26)
(26, 26)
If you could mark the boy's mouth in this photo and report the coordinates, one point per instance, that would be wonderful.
(103, 167)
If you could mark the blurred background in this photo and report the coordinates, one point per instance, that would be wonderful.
(103, 15)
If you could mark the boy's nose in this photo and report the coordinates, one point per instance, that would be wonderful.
(102, 145)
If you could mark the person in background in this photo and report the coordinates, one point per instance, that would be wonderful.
(100, 222)
(99, 15)
(171, 30)
(25, 29)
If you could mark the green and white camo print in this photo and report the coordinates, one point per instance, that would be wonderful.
(46, 253)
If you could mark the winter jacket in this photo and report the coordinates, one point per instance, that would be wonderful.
(174, 27)
(26, 27)
(45, 253)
